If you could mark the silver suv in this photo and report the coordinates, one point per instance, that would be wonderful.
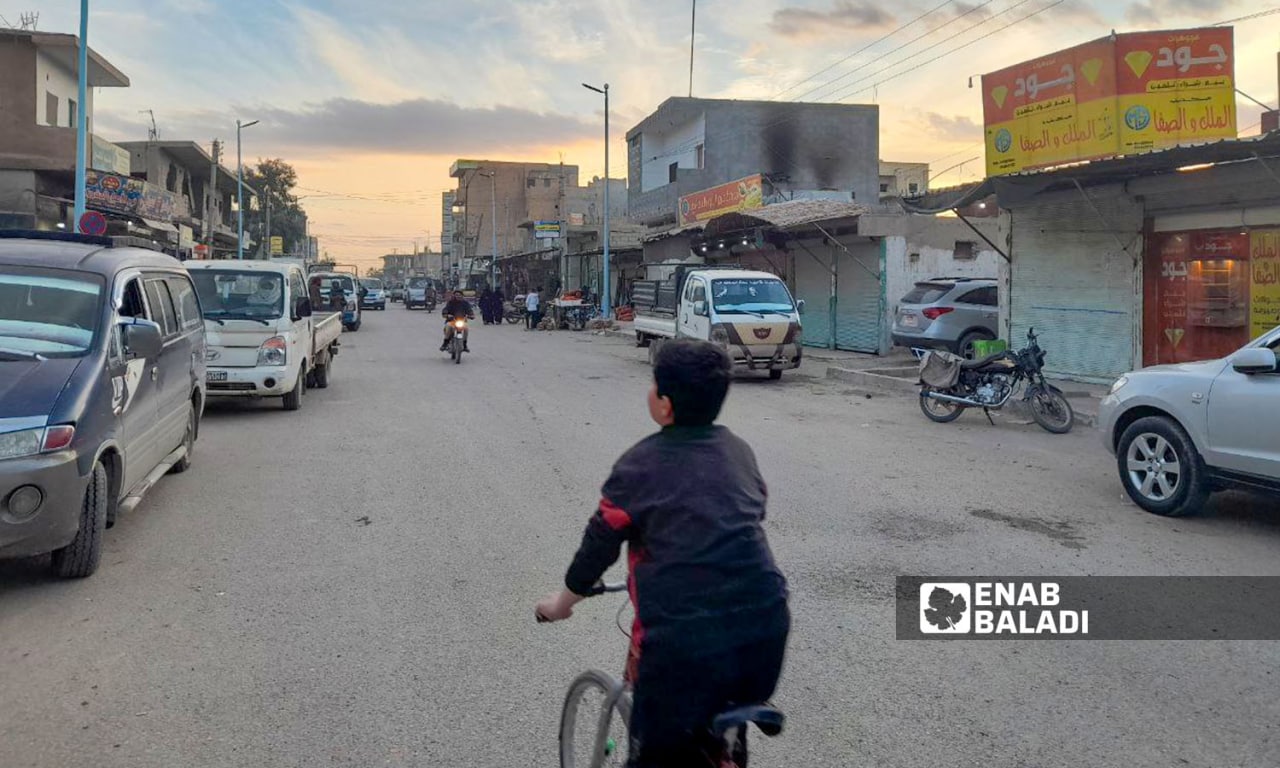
(1182, 431)
(948, 313)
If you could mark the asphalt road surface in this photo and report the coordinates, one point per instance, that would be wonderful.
(352, 584)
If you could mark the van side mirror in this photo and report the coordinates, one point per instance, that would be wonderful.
(141, 339)
(302, 307)
(1254, 360)
(700, 308)
(800, 306)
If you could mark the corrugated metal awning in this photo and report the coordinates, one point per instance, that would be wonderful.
(160, 226)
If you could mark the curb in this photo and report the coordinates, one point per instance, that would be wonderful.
(879, 383)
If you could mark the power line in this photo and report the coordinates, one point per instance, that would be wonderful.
(1250, 17)
(862, 49)
(907, 44)
(849, 92)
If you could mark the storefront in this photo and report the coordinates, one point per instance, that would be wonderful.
(1209, 292)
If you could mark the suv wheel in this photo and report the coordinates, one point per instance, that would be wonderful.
(1160, 468)
(80, 558)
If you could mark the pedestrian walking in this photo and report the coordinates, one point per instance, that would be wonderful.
(532, 305)
(486, 305)
(499, 305)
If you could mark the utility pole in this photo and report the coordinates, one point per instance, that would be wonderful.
(82, 109)
(693, 31)
(208, 199)
(267, 197)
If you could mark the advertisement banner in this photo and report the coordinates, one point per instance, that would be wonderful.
(546, 230)
(121, 194)
(106, 156)
(736, 196)
(277, 245)
(1123, 94)
(1175, 87)
(1264, 304)
(1056, 109)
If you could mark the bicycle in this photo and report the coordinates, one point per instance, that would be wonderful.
(728, 728)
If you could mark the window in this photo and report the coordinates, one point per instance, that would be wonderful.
(913, 188)
(926, 293)
(699, 291)
(913, 258)
(185, 302)
(700, 153)
(884, 189)
(673, 173)
(50, 109)
(986, 297)
(296, 287)
(71, 113)
(161, 304)
(964, 251)
(131, 304)
(531, 182)
(546, 183)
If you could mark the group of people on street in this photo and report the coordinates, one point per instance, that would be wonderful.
(492, 306)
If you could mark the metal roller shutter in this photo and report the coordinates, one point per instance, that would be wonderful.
(1073, 283)
(859, 311)
(813, 285)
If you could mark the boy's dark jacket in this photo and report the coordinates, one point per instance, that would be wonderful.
(690, 503)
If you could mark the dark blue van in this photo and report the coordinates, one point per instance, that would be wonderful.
(102, 369)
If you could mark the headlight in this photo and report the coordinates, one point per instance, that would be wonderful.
(274, 351)
(460, 324)
(1119, 385)
(719, 335)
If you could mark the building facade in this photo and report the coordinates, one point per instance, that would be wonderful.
(802, 150)
(201, 208)
(38, 114)
(903, 179)
(524, 192)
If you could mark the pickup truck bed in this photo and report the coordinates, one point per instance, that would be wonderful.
(327, 329)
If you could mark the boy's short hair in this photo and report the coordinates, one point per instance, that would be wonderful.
(694, 375)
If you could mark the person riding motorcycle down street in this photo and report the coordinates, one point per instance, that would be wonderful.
(456, 308)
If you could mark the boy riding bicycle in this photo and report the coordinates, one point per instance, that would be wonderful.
(711, 619)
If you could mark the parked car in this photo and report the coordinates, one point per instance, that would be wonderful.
(102, 373)
(396, 292)
(948, 313)
(264, 338)
(372, 294)
(1181, 431)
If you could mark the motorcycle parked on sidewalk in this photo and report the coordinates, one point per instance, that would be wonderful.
(515, 311)
(950, 384)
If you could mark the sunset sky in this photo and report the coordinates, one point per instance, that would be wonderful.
(371, 100)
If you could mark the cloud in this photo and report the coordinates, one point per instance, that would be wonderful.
(1161, 11)
(844, 16)
(954, 128)
(409, 127)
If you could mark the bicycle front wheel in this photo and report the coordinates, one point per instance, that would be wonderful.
(593, 722)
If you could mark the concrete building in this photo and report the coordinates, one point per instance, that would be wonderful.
(526, 192)
(802, 150)
(38, 112)
(583, 261)
(447, 201)
(183, 169)
(903, 179)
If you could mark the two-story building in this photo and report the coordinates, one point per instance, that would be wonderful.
(39, 75)
(802, 151)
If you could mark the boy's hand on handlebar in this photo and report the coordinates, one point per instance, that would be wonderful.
(556, 606)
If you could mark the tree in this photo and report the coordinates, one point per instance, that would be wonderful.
(275, 179)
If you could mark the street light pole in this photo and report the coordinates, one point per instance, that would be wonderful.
(240, 190)
(604, 293)
(82, 130)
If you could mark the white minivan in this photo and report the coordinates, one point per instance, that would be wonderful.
(263, 338)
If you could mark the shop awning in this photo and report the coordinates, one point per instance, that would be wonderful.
(160, 226)
(792, 214)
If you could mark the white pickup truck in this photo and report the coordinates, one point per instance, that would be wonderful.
(264, 340)
(751, 314)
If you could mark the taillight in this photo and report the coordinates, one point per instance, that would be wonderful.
(58, 438)
(933, 313)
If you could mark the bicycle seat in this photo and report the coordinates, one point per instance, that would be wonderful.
(766, 718)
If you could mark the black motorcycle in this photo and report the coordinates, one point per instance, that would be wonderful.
(950, 384)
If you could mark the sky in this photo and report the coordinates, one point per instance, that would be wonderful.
(372, 100)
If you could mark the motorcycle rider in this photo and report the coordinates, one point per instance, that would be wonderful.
(457, 307)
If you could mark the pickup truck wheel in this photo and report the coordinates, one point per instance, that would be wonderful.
(775, 374)
(80, 558)
(321, 376)
(642, 341)
(188, 442)
(655, 347)
(293, 398)
(1161, 469)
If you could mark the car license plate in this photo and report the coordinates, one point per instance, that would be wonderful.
(909, 321)
(215, 376)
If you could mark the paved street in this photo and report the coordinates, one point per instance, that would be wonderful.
(352, 585)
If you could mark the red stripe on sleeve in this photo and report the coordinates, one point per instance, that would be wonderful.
(616, 517)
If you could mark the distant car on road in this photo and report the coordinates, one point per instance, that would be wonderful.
(373, 295)
(1182, 431)
(396, 292)
(102, 385)
(417, 293)
(948, 313)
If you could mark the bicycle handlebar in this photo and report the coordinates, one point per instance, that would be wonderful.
(602, 588)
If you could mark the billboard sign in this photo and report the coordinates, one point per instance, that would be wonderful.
(546, 230)
(135, 197)
(109, 157)
(736, 196)
(1123, 94)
